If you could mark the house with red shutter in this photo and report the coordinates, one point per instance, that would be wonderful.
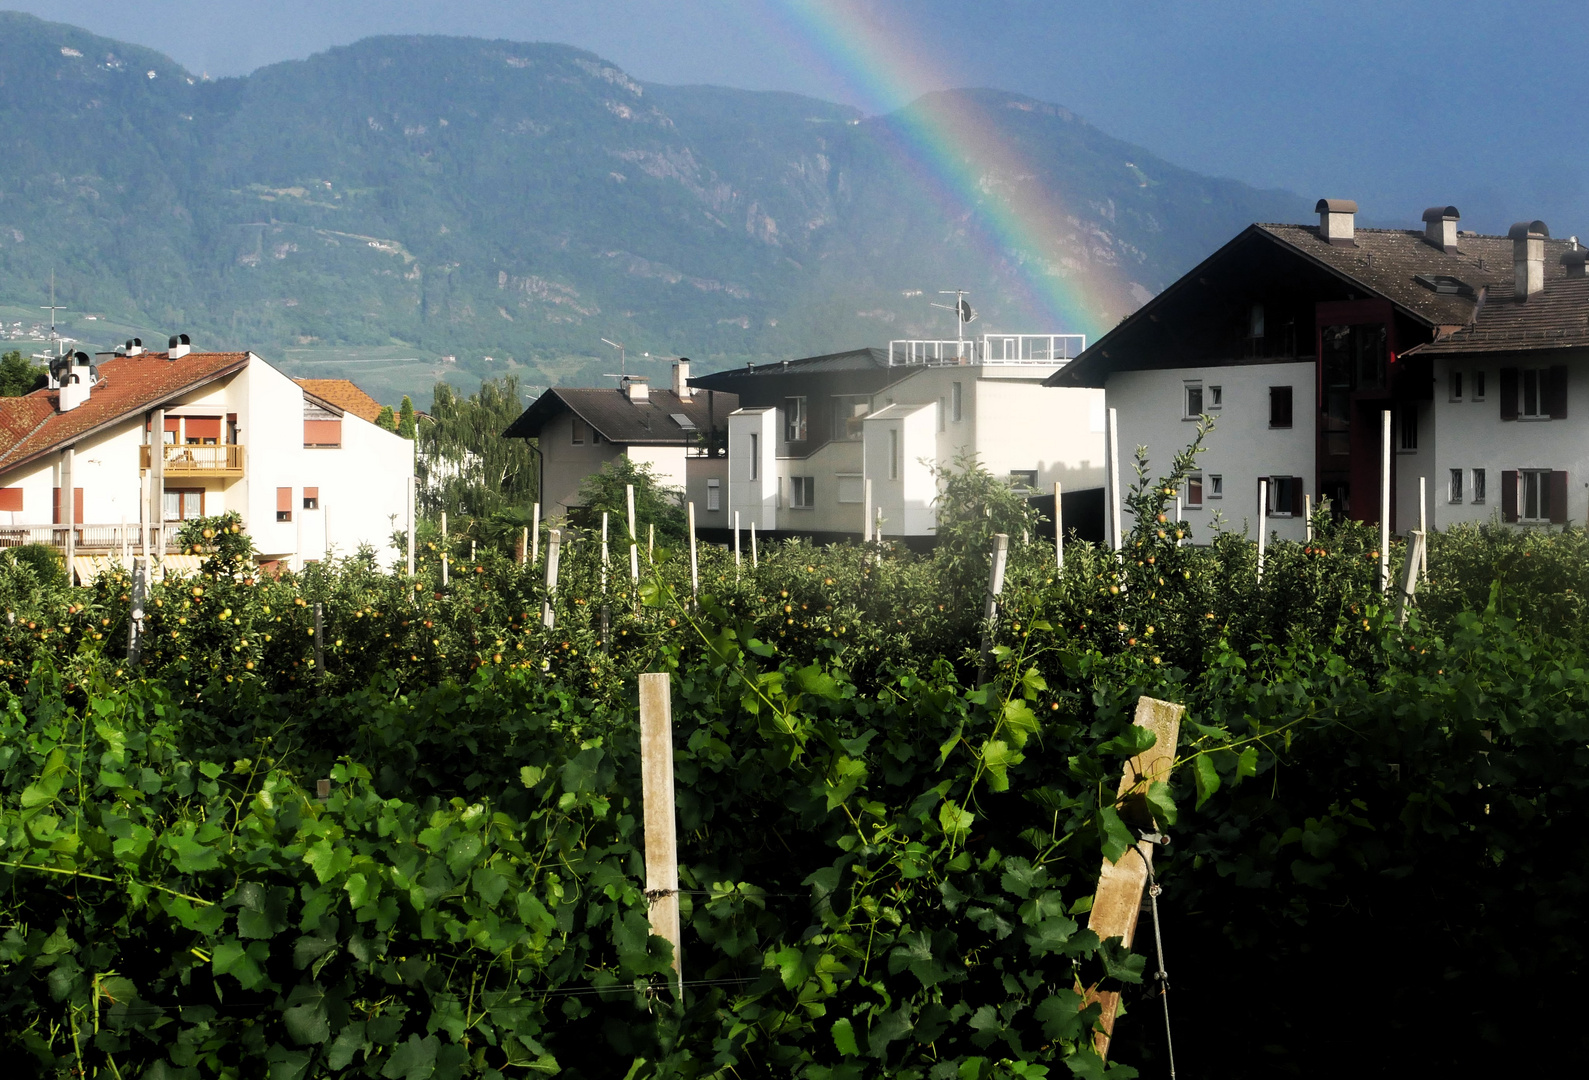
(1297, 339)
(144, 440)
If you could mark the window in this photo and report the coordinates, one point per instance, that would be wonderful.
(322, 434)
(1280, 406)
(1214, 398)
(942, 416)
(1285, 496)
(802, 492)
(11, 499)
(1532, 406)
(183, 504)
(77, 506)
(755, 456)
(1534, 393)
(848, 409)
(1194, 491)
(893, 453)
(1478, 386)
(794, 419)
(576, 427)
(1407, 429)
(852, 488)
(201, 430)
(1456, 386)
(1456, 486)
(1194, 401)
(311, 498)
(1023, 479)
(1478, 485)
(714, 495)
(283, 504)
(1255, 321)
(1536, 495)
(957, 410)
(1216, 486)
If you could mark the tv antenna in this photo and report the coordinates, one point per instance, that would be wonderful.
(52, 307)
(965, 314)
(623, 363)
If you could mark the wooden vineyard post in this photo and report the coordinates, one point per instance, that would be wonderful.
(736, 544)
(1119, 897)
(1423, 527)
(656, 792)
(990, 607)
(1307, 518)
(604, 553)
(554, 543)
(651, 542)
(1059, 525)
(69, 511)
(634, 539)
(1384, 501)
(135, 621)
(755, 560)
(445, 577)
(1263, 524)
(1409, 580)
(695, 570)
(319, 638)
(523, 551)
(1112, 461)
(866, 513)
(409, 565)
(535, 535)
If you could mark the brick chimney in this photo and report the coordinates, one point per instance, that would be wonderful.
(1528, 257)
(1336, 221)
(681, 379)
(1440, 227)
(637, 388)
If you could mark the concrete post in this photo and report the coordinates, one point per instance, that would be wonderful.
(661, 830)
(1384, 501)
(1059, 525)
(695, 573)
(1263, 524)
(554, 541)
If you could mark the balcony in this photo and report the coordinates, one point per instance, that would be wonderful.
(211, 460)
(92, 539)
(991, 349)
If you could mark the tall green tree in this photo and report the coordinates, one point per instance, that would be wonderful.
(407, 426)
(654, 504)
(387, 419)
(18, 375)
(466, 467)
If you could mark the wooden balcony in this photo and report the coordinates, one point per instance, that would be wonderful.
(224, 460)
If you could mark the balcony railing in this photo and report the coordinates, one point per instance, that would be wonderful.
(90, 538)
(987, 349)
(215, 460)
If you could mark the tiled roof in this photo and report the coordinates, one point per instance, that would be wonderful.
(1557, 318)
(620, 420)
(852, 360)
(128, 385)
(345, 395)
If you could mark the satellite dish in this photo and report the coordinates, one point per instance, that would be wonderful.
(968, 314)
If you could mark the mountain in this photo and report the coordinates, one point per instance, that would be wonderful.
(511, 204)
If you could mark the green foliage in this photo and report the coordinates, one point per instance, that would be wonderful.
(465, 466)
(19, 376)
(406, 420)
(972, 506)
(387, 419)
(42, 560)
(607, 491)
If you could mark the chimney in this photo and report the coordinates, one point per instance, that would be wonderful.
(135, 346)
(1528, 257)
(637, 388)
(1336, 219)
(178, 347)
(681, 379)
(1440, 227)
(74, 376)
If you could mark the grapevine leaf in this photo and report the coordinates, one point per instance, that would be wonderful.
(844, 1037)
(1207, 778)
(1162, 802)
(1114, 836)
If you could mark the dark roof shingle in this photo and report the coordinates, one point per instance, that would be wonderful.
(620, 420)
(1557, 318)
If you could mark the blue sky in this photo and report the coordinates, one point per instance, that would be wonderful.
(1399, 105)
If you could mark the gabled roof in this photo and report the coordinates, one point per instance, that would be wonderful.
(345, 395)
(128, 386)
(869, 359)
(619, 420)
(1557, 318)
(1423, 282)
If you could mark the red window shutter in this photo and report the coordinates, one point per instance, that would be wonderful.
(1509, 394)
(1509, 487)
(311, 493)
(204, 427)
(11, 499)
(77, 504)
(322, 433)
(1558, 498)
(1556, 392)
(283, 499)
(55, 506)
(174, 424)
(1296, 496)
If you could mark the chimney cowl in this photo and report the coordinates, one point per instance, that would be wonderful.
(681, 379)
(178, 347)
(1528, 257)
(1337, 221)
(74, 376)
(1575, 262)
(1440, 227)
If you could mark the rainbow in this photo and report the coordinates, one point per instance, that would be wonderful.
(974, 174)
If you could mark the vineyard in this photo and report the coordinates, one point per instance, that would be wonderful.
(1377, 839)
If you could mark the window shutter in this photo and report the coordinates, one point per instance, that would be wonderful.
(1509, 487)
(311, 493)
(55, 506)
(11, 499)
(1509, 398)
(283, 499)
(1556, 392)
(1558, 498)
(323, 433)
(1296, 496)
(77, 502)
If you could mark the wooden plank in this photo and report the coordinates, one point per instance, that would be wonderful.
(1410, 576)
(695, 570)
(657, 795)
(1059, 524)
(1120, 884)
(554, 545)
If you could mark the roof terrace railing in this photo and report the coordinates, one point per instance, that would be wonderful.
(987, 349)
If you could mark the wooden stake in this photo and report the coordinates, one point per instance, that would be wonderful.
(1059, 525)
(604, 553)
(1423, 527)
(1112, 467)
(319, 637)
(657, 795)
(1120, 883)
(990, 606)
(409, 566)
(69, 511)
(135, 623)
(1263, 524)
(736, 543)
(695, 571)
(1409, 582)
(1384, 501)
(472, 557)
(445, 562)
(1307, 517)
(535, 535)
(554, 543)
(634, 538)
(651, 542)
(755, 561)
(866, 513)
(523, 552)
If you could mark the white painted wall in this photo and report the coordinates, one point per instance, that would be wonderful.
(826, 465)
(1241, 448)
(667, 464)
(753, 492)
(907, 500)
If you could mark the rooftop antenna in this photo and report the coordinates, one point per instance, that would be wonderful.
(52, 307)
(623, 363)
(965, 314)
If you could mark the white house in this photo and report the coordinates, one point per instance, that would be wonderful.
(810, 433)
(1298, 339)
(162, 437)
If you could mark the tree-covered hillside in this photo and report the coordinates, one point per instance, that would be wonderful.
(452, 196)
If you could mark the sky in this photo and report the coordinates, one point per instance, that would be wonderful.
(1398, 105)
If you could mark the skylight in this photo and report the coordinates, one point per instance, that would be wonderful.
(683, 421)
